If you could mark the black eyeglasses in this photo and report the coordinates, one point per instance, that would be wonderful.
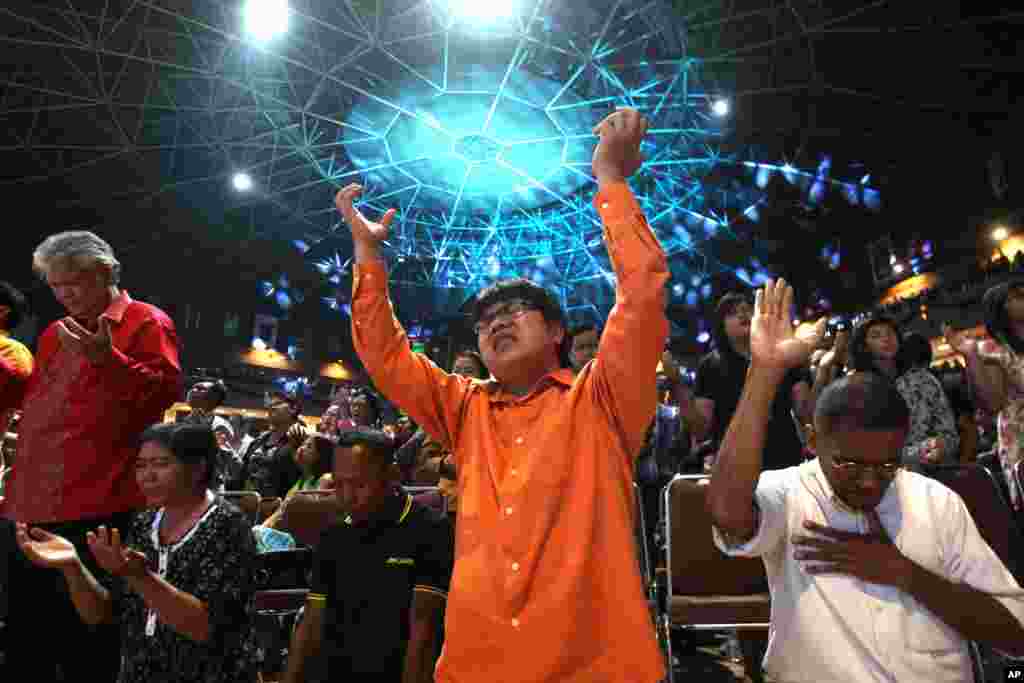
(510, 311)
(852, 468)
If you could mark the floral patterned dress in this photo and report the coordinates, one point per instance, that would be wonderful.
(931, 415)
(1010, 424)
(215, 562)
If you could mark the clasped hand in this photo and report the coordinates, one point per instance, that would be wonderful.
(871, 557)
(115, 558)
(96, 346)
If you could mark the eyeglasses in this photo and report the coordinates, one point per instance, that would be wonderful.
(852, 468)
(513, 310)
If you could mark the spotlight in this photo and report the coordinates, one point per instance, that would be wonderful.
(259, 344)
(703, 337)
(242, 182)
(1000, 234)
(897, 268)
(480, 12)
(266, 19)
(720, 107)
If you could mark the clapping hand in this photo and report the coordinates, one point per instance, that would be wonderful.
(45, 549)
(618, 155)
(115, 558)
(960, 341)
(871, 557)
(97, 347)
(773, 341)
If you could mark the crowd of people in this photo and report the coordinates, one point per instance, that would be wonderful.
(518, 562)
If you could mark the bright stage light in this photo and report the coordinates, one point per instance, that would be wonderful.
(1000, 234)
(266, 19)
(481, 11)
(242, 182)
(898, 268)
(720, 107)
(703, 337)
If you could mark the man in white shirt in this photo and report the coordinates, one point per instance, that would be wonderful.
(876, 573)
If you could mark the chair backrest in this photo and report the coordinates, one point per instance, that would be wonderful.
(308, 514)
(429, 496)
(696, 565)
(247, 501)
(990, 510)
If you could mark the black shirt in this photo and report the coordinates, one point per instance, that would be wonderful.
(722, 382)
(368, 575)
(268, 467)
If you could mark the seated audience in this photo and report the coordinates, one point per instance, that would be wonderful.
(585, 340)
(180, 574)
(15, 359)
(469, 364)
(204, 398)
(876, 573)
(380, 577)
(268, 466)
(315, 457)
(933, 438)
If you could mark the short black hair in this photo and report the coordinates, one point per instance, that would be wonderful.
(289, 398)
(371, 398)
(861, 358)
(916, 350)
(15, 300)
(191, 444)
(381, 445)
(997, 324)
(217, 387)
(532, 293)
(728, 303)
(864, 401)
(482, 371)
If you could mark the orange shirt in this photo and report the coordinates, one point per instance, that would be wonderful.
(546, 584)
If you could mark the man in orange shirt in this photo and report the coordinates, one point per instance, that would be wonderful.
(15, 359)
(546, 586)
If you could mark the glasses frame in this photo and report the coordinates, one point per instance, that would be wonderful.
(887, 471)
(483, 326)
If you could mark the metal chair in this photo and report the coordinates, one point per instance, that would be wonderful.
(247, 501)
(706, 589)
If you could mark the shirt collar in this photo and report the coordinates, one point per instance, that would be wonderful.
(116, 310)
(563, 376)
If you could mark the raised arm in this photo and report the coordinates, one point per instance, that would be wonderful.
(774, 349)
(624, 375)
(984, 374)
(429, 395)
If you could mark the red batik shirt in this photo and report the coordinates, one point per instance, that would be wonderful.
(79, 432)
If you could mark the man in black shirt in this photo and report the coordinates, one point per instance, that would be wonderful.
(380, 577)
(268, 464)
(720, 378)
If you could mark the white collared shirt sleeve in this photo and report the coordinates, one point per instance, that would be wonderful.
(770, 497)
(967, 558)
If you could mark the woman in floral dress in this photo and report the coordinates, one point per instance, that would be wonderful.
(995, 370)
(181, 575)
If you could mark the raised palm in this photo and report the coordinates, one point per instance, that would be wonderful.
(114, 557)
(363, 229)
(773, 341)
(45, 549)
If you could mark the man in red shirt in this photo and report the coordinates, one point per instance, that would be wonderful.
(102, 375)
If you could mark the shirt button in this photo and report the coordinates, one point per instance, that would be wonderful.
(515, 566)
(515, 623)
(508, 511)
(604, 205)
(519, 440)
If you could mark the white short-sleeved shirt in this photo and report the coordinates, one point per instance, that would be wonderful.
(831, 628)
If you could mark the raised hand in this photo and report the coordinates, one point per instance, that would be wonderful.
(45, 549)
(114, 557)
(97, 347)
(773, 341)
(960, 341)
(618, 155)
(364, 231)
(871, 557)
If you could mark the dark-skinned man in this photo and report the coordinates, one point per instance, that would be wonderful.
(876, 573)
(380, 577)
(546, 586)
